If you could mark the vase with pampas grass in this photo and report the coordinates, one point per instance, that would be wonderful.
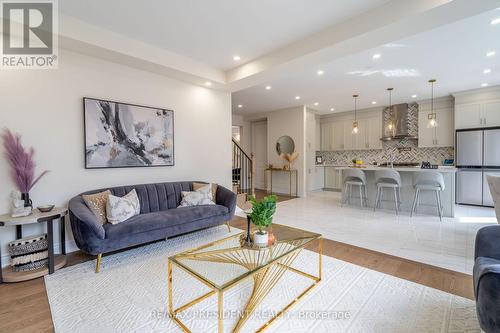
(21, 161)
(289, 158)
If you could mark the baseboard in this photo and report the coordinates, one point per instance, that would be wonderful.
(70, 247)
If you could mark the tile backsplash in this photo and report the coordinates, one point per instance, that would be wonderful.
(408, 152)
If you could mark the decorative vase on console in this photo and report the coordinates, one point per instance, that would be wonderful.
(22, 165)
(262, 217)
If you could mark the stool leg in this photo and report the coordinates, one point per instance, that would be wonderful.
(376, 199)
(399, 194)
(344, 196)
(350, 194)
(366, 195)
(438, 199)
(418, 201)
(396, 201)
(380, 197)
(361, 195)
(414, 202)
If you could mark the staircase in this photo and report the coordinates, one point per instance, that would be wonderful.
(243, 173)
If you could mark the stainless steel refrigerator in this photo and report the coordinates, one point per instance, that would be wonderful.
(478, 155)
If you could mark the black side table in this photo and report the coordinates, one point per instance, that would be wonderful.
(55, 261)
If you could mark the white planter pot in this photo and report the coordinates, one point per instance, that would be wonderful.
(261, 239)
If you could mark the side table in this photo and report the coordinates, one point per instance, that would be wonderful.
(55, 261)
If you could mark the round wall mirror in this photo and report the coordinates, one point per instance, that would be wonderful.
(285, 145)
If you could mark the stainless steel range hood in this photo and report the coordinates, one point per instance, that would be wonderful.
(399, 118)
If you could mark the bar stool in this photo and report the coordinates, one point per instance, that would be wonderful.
(350, 178)
(428, 181)
(390, 179)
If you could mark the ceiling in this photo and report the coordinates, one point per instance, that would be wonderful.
(283, 43)
(454, 54)
(214, 31)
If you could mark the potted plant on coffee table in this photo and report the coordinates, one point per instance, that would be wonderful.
(262, 217)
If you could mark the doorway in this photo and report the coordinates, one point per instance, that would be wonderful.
(259, 148)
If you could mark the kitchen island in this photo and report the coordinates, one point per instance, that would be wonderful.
(427, 199)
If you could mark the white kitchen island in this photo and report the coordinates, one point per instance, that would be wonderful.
(427, 199)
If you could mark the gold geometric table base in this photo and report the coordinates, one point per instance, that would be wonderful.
(265, 278)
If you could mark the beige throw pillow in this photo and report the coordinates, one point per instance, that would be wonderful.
(119, 209)
(97, 204)
(202, 196)
(197, 186)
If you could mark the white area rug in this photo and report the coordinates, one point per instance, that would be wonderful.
(130, 295)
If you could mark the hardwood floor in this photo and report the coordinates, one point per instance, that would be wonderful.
(24, 306)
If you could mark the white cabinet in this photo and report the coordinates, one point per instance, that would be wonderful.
(338, 135)
(370, 131)
(491, 113)
(484, 114)
(440, 136)
(349, 143)
(333, 178)
(326, 136)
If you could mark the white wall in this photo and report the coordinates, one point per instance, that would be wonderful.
(45, 106)
(289, 122)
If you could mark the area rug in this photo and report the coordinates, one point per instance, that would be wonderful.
(130, 295)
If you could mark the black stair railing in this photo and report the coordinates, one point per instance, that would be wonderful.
(243, 170)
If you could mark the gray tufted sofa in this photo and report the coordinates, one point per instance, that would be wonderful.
(160, 218)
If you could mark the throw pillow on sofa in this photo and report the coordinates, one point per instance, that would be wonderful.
(202, 196)
(197, 186)
(97, 204)
(119, 209)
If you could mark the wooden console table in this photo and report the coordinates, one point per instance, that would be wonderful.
(55, 261)
(290, 172)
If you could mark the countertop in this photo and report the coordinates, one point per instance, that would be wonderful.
(444, 169)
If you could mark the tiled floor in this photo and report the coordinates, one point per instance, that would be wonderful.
(448, 244)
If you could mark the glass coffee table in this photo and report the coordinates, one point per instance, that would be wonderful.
(225, 263)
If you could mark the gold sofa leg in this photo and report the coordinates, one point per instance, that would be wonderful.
(228, 226)
(98, 263)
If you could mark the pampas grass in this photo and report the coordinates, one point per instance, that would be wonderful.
(21, 162)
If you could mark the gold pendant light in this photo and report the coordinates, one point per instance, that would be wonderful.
(355, 128)
(391, 127)
(432, 117)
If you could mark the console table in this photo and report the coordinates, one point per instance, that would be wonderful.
(291, 173)
(55, 261)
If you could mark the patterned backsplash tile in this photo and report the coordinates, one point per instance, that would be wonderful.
(407, 154)
(404, 151)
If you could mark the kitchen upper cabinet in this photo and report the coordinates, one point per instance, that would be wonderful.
(374, 127)
(338, 135)
(483, 114)
(468, 116)
(491, 114)
(440, 136)
(326, 136)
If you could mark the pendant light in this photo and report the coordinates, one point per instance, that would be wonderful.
(432, 117)
(390, 126)
(355, 128)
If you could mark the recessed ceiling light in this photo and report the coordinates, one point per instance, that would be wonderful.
(208, 83)
(320, 72)
(374, 102)
(236, 58)
(487, 71)
(268, 87)
(484, 84)
(491, 54)
(332, 109)
(495, 21)
(240, 106)
(297, 97)
(316, 103)
(413, 96)
(376, 56)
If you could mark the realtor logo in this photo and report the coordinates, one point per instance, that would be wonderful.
(29, 38)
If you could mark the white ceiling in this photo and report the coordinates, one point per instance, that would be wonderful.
(212, 31)
(453, 54)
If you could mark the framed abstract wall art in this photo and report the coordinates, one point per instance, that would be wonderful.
(121, 135)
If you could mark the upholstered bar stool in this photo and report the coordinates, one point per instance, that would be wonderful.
(388, 179)
(350, 178)
(428, 181)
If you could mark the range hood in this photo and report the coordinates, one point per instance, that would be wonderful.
(399, 118)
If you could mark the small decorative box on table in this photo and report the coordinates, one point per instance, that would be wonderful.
(7, 274)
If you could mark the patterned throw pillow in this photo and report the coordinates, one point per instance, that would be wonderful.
(97, 204)
(202, 196)
(119, 209)
(197, 186)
